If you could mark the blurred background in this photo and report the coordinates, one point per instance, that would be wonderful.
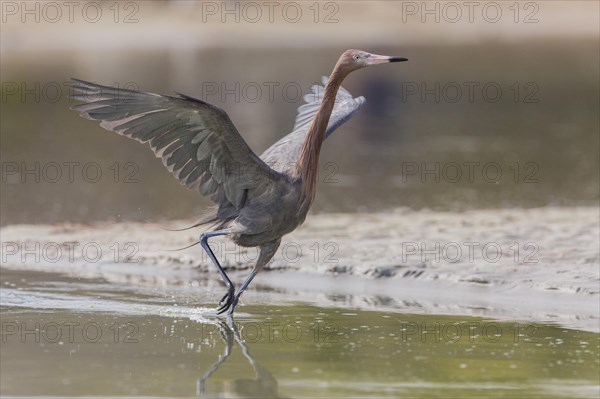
(497, 107)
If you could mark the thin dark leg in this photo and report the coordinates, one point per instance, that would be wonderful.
(266, 253)
(228, 298)
(243, 287)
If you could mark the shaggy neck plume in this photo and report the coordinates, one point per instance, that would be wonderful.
(308, 159)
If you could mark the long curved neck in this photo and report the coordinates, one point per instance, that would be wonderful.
(308, 159)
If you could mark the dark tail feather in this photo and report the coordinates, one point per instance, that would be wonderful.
(183, 229)
(181, 249)
(207, 219)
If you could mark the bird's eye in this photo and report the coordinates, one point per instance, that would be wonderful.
(356, 57)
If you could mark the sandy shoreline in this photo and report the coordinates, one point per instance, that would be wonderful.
(540, 264)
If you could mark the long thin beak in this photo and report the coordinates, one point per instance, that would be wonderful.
(383, 59)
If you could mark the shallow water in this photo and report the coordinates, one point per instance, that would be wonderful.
(73, 336)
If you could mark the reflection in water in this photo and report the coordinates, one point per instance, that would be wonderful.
(264, 386)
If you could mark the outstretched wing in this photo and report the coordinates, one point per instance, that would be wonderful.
(196, 141)
(282, 155)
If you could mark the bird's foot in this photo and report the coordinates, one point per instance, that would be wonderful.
(228, 301)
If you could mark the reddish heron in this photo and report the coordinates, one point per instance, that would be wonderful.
(258, 199)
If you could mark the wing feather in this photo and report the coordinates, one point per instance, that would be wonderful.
(282, 155)
(196, 141)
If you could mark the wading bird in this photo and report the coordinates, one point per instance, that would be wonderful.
(258, 199)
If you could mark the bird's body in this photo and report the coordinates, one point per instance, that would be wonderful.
(259, 199)
(270, 216)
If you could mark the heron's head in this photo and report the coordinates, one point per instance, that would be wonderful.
(352, 60)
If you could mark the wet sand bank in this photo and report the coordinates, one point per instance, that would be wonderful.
(532, 264)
